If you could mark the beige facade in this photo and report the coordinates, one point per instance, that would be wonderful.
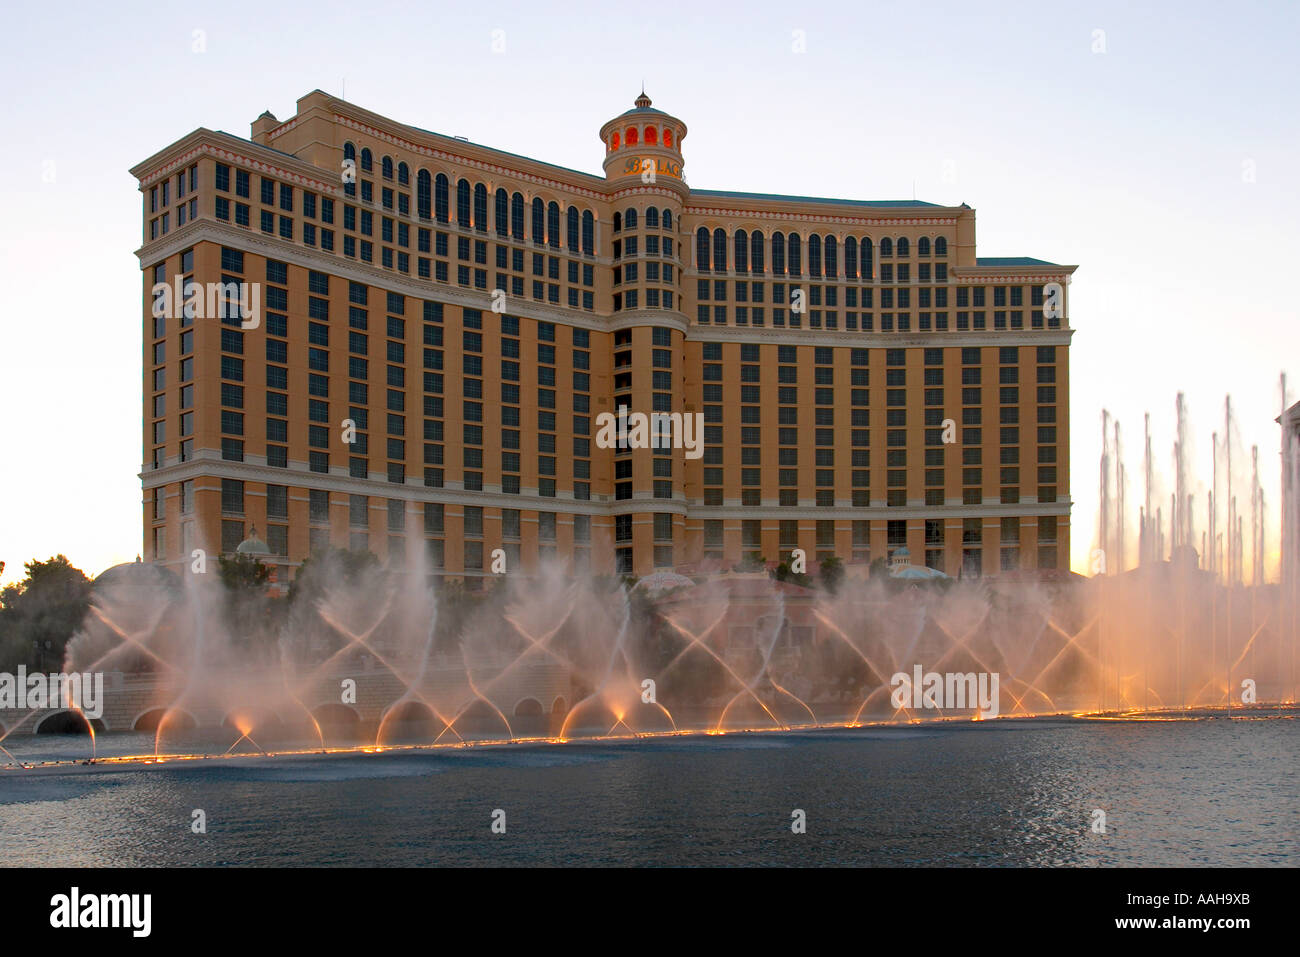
(435, 329)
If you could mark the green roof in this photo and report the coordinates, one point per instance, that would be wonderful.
(728, 194)
(1011, 261)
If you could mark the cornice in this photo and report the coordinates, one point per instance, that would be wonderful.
(876, 340)
(208, 464)
(768, 213)
(241, 153)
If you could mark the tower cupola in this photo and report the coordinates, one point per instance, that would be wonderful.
(644, 144)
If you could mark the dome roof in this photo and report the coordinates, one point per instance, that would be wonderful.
(253, 545)
(136, 574)
(642, 105)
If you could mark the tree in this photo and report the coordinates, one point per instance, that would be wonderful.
(242, 571)
(330, 568)
(832, 576)
(41, 613)
(783, 573)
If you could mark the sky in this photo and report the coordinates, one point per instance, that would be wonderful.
(1154, 146)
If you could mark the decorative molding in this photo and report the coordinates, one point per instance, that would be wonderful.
(238, 159)
(733, 214)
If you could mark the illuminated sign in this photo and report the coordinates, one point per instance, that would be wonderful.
(645, 164)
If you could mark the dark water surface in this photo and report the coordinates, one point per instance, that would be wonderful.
(1205, 792)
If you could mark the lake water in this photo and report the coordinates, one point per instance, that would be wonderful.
(1212, 792)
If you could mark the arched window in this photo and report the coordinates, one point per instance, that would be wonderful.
(668, 219)
(886, 248)
(851, 258)
(480, 208)
(588, 233)
(424, 194)
(794, 254)
(702, 249)
(517, 216)
(553, 224)
(868, 269)
(462, 203)
(756, 252)
(350, 153)
(668, 137)
(651, 218)
(502, 212)
(901, 248)
(651, 137)
(629, 219)
(719, 251)
(367, 160)
(572, 228)
(386, 167)
(403, 174)
(618, 221)
(539, 222)
(831, 253)
(740, 250)
(441, 199)
(941, 247)
(923, 246)
(778, 254)
(630, 137)
(614, 141)
(814, 255)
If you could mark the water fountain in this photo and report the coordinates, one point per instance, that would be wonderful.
(389, 658)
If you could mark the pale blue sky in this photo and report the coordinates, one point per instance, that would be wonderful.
(1128, 163)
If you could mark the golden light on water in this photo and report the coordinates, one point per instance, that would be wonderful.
(1262, 713)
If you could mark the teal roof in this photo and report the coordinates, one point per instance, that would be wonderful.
(728, 194)
(1011, 261)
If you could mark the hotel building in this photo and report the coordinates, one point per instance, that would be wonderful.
(435, 329)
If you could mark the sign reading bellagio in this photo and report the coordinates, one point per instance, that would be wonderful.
(660, 166)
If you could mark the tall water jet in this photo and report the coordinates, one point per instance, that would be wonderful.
(1103, 511)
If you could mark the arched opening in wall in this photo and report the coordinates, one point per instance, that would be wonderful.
(631, 136)
(614, 142)
(409, 721)
(559, 711)
(481, 719)
(668, 138)
(69, 722)
(176, 720)
(529, 718)
(651, 137)
(338, 723)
